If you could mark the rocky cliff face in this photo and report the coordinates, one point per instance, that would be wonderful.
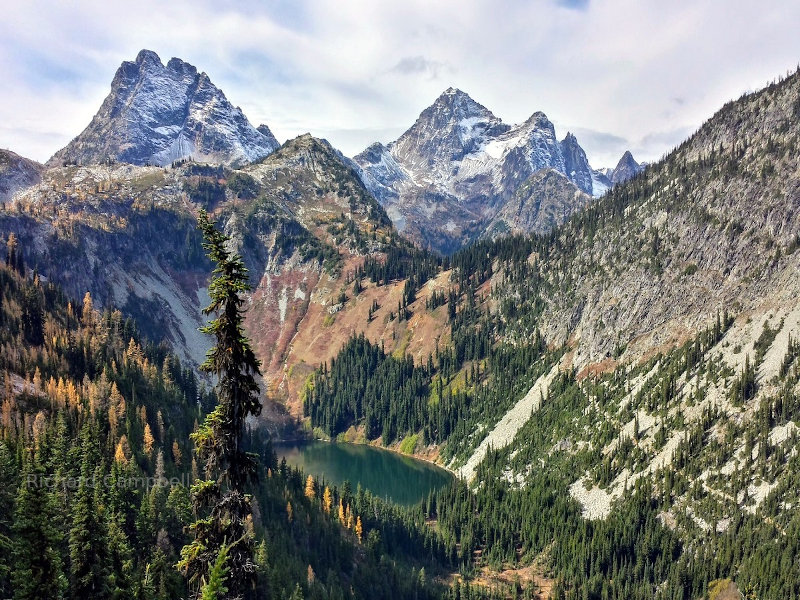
(157, 114)
(712, 227)
(446, 178)
(301, 218)
(626, 169)
(17, 173)
(544, 201)
(576, 165)
(676, 298)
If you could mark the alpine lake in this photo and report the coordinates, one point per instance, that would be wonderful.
(396, 477)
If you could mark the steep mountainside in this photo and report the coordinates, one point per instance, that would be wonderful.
(711, 227)
(301, 218)
(700, 406)
(544, 201)
(17, 173)
(156, 114)
(96, 466)
(623, 392)
(445, 179)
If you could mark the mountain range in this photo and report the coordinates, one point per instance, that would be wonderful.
(608, 358)
(446, 181)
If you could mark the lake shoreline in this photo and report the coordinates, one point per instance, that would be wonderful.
(394, 448)
(386, 472)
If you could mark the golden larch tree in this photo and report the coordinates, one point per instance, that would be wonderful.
(359, 529)
(148, 441)
(327, 500)
(310, 493)
(123, 451)
(87, 315)
(116, 409)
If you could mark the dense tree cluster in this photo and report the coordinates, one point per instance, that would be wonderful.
(363, 385)
(96, 464)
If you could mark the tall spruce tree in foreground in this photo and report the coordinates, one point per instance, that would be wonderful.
(228, 469)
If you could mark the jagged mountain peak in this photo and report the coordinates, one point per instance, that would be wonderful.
(452, 110)
(459, 164)
(316, 182)
(371, 153)
(452, 127)
(626, 168)
(146, 56)
(156, 114)
(307, 144)
(267, 133)
(176, 64)
(149, 62)
(537, 119)
(317, 154)
(576, 165)
(461, 105)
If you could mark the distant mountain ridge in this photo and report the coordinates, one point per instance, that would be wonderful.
(157, 114)
(450, 174)
(445, 182)
(17, 173)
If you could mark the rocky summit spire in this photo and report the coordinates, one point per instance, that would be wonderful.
(626, 168)
(576, 165)
(156, 114)
(454, 125)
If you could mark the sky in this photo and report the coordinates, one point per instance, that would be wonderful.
(619, 74)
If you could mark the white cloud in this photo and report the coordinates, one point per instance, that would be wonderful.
(354, 71)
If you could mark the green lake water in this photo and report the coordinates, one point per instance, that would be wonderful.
(402, 479)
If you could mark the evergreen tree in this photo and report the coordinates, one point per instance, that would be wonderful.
(87, 538)
(37, 571)
(228, 468)
(32, 315)
(8, 479)
(215, 588)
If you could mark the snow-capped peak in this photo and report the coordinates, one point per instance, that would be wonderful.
(156, 114)
(458, 157)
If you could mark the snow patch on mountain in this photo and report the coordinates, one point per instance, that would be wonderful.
(600, 183)
(465, 160)
(157, 114)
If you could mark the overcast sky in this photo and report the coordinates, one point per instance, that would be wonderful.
(620, 74)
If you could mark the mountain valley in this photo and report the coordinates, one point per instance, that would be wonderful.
(608, 359)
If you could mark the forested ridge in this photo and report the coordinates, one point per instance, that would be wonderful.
(499, 523)
(666, 473)
(96, 467)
